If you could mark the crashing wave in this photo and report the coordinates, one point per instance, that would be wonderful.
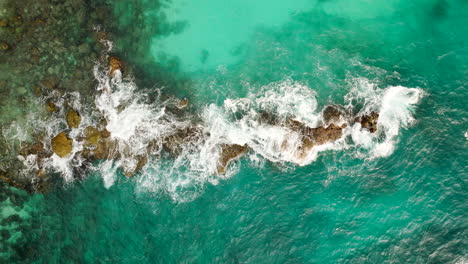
(177, 153)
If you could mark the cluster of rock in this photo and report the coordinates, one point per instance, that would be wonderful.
(46, 47)
(98, 144)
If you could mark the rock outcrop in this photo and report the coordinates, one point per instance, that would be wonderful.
(73, 119)
(332, 114)
(62, 145)
(174, 143)
(97, 143)
(368, 122)
(228, 154)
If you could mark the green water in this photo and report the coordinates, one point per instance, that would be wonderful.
(409, 207)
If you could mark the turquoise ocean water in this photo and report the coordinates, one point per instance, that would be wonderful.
(347, 206)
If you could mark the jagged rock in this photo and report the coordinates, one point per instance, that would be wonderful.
(98, 144)
(332, 114)
(3, 22)
(141, 161)
(114, 64)
(368, 121)
(73, 119)
(62, 144)
(51, 107)
(322, 135)
(10, 179)
(228, 154)
(173, 143)
(84, 48)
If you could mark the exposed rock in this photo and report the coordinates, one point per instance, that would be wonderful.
(174, 143)
(228, 154)
(97, 143)
(62, 144)
(141, 161)
(16, 182)
(114, 64)
(368, 121)
(332, 114)
(49, 83)
(73, 119)
(51, 107)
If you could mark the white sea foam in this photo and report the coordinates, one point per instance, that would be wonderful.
(135, 123)
(395, 105)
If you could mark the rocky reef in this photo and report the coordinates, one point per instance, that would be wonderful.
(48, 50)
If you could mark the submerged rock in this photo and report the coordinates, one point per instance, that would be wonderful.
(228, 154)
(49, 83)
(62, 145)
(35, 149)
(368, 121)
(73, 119)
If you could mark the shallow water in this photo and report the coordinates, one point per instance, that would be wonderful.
(396, 197)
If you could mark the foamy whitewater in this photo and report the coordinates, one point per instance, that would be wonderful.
(139, 126)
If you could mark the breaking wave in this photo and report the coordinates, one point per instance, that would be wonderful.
(140, 123)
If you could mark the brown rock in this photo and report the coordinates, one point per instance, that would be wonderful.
(49, 83)
(62, 144)
(174, 143)
(322, 135)
(142, 160)
(228, 154)
(3, 22)
(73, 119)
(35, 149)
(368, 121)
(51, 107)
(4, 46)
(114, 64)
(97, 144)
(332, 114)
